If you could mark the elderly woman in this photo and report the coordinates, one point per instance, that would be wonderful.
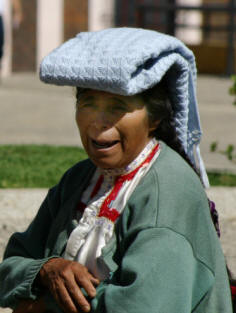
(129, 229)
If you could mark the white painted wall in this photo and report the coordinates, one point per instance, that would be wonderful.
(100, 14)
(189, 36)
(7, 53)
(50, 26)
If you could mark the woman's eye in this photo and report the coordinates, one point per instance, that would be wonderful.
(85, 105)
(118, 108)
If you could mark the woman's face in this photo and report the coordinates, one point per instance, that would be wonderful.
(114, 129)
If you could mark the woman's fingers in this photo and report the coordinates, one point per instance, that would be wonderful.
(87, 282)
(77, 296)
(71, 299)
(94, 280)
(67, 293)
(64, 279)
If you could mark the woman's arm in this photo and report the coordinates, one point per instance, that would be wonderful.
(33, 266)
(158, 273)
(24, 256)
(65, 279)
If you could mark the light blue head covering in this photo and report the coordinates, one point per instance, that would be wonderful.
(127, 61)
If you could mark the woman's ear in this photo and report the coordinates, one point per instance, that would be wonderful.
(153, 126)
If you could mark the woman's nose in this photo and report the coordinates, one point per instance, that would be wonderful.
(102, 120)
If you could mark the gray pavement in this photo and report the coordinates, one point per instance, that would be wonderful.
(218, 119)
(32, 112)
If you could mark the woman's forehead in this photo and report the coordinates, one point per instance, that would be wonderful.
(104, 95)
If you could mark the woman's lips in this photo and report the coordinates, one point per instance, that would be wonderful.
(104, 144)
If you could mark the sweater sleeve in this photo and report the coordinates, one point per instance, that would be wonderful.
(24, 256)
(158, 273)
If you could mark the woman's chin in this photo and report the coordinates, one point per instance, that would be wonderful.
(105, 163)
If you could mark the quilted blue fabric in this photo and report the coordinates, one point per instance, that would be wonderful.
(127, 61)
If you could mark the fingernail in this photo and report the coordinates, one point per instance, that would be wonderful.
(87, 308)
(93, 293)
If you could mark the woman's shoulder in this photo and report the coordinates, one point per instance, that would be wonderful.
(174, 195)
(180, 190)
(170, 185)
(74, 177)
(79, 169)
(172, 170)
(171, 196)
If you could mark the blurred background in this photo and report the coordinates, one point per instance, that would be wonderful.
(207, 26)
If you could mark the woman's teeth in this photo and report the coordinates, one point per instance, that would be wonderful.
(104, 144)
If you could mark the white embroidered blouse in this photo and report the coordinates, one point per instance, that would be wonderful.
(102, 203)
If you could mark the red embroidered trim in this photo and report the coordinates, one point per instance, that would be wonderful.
(233, 291)
(111, 213)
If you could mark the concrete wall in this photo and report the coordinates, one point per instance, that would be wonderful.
(45, 26)
(75, 17)
(100, 14)
(50, 26)
(24, 39)
(188, 35)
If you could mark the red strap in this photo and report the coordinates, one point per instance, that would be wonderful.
(105, 211)
(130, 175)
(113, 214)
(233, 291)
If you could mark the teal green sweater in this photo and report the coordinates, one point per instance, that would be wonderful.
(164, 257)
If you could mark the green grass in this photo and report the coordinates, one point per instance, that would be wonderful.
(35, 166)
(222, 179)
(41, 166)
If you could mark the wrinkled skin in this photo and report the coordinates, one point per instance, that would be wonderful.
(30, 306)
(114, 129)
(64, 279)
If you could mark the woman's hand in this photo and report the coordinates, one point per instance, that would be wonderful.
(64, 279)
(31, 306)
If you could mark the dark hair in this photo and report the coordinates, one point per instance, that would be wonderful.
(79, 92)
(159, 108)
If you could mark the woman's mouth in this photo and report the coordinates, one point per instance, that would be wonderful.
(104, 144)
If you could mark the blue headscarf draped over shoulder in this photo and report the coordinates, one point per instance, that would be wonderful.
(127, 61)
